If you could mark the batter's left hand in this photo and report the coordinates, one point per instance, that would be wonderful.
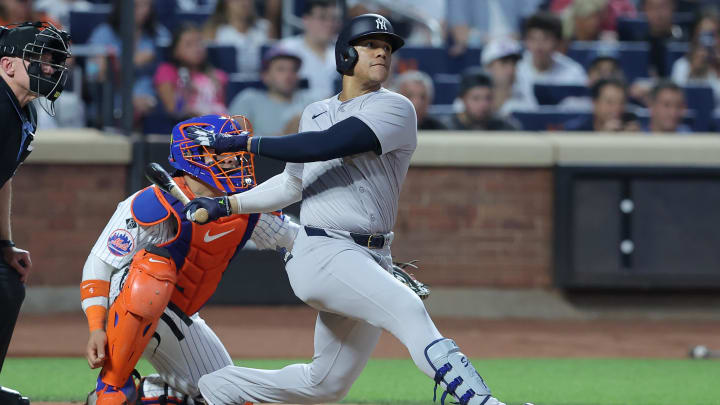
(19, 260)
(216, 207)
(220, 142)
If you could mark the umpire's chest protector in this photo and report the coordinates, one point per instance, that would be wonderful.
(201, 252)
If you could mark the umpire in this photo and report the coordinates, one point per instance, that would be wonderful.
(32, 65)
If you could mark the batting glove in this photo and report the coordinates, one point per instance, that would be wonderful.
(216, 207)
(220, 142)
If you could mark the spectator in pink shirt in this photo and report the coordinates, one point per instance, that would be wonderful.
(188, 85)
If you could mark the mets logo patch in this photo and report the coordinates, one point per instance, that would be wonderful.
(120, 242)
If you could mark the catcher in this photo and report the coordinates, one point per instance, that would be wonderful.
(155, 270)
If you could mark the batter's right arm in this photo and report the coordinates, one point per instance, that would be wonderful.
(274, 194)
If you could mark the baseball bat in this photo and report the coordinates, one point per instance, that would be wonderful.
(158, 176)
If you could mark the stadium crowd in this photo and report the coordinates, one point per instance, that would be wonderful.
(575, 65)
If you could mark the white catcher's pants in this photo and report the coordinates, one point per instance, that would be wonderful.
(356, 297)
(183, 349)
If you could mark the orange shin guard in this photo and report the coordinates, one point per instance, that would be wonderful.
(134, 315)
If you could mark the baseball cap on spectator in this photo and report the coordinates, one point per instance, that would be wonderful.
(473, 77)
(279, 52)
(500, 48)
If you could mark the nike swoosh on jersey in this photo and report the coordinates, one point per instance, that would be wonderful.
(156, 261)
(317, 115)
(209, 238)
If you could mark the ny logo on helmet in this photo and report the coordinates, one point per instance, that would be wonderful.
(380, 24)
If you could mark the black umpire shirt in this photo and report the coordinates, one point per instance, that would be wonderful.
(17, 130)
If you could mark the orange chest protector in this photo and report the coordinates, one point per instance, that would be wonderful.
(201, 252)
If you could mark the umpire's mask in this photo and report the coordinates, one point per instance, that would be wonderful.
(45, 48)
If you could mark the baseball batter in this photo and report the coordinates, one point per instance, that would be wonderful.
(157, 269)
(350, 160)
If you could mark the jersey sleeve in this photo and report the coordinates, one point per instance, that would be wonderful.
(392, 118)
(114, 249)
(123, 237)
(296, 169)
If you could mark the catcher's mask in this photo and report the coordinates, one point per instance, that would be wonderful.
(231, 172)
(45, 48)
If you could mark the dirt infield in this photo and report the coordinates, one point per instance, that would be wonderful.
(277, 332)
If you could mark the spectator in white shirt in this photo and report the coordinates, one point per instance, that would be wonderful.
(316, 47)
(499, 59)
(542, 63)
(234, 22)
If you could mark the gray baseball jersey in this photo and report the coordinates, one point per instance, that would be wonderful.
(358, 193)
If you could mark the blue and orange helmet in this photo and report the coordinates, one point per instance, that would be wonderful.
(231, 172)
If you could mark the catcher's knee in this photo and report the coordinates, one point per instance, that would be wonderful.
(144, 296)
(150, 283)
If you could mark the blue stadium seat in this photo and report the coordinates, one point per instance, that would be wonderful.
(165, 12)
(470, 58)
(633, 56)
(701, 100)
(197, 17)
(223, 57)
(552, 94)
(546, 118)
(446, 88)
(436, 60)
(82, 23)
(631, 28)
(716, 120)
(428, 60)
(157, 121)
(236, 86)
(298, 7)
(636, 28)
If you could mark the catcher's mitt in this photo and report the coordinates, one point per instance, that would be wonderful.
(418, 287)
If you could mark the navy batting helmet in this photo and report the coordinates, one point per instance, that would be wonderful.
(356, 29)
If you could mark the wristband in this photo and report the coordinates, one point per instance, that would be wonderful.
(226, 203)
(5, 243)
(97, 317)
(254, 145)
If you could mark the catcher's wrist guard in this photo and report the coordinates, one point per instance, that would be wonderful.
(418, 287)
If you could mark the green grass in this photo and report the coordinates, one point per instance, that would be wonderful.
(391, 381)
